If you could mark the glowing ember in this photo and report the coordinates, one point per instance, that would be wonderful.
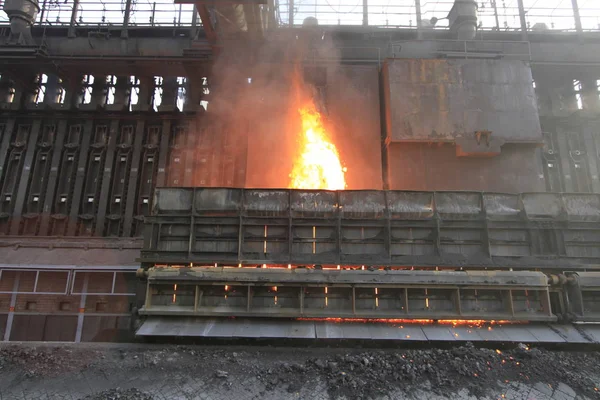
(318, 166)
(477, 323)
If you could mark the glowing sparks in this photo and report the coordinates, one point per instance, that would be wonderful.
(318, 166)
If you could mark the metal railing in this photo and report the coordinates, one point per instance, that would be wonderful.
(494, 15)
(519, 50)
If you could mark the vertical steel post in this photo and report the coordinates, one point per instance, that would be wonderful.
(11, 310)
(496, 15)
(577, 17)
(291, 13)
(107, 177)
(193, 29)
(153, 13)
(72, 32)
(81, 310)
(132, 188)
(61, 133)
(365, 12)
(25, 174)
(7, 135)
(523, 20)
(419, 19)
(124, 31)
(43, 11)
(80, 177)
(163, 155)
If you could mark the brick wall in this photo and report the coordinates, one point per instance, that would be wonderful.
(51, 311)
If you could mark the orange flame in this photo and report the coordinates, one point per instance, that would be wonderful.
(318, 165)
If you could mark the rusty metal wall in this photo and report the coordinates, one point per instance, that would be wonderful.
(416, 166)
(395, 228)
(441, 100)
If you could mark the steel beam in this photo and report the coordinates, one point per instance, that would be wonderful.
(419, 19)
(190, 160)
(132, 186)
(81, 311)
(11, 309)
(577, 16)
(523, 20)
(72, 33)
(80, 177)
(209, 29)
(24, 180)
(61, 133)
(4, 145)
(107, 177)
(163, 155)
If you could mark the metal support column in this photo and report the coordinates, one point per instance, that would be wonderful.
(25, 174)
(190, 150)
(72, 33)
(107, 177)
(563, 152)
(366, 12)
(588, 137)
(61, 132)
(6, 137)
(132, 189)
(495, 7)
(81, 310)
(124, 31)
(291, 13)
(11, 310)
(80, 177)
(577, 17)
(163, 155)
(194, 28)
(523, 20)
(419, 19)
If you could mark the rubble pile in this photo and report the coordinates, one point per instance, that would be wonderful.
(46, 361)
(120, 394)
(348, 373)
(373, 373)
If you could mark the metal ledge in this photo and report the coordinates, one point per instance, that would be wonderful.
(303, 329)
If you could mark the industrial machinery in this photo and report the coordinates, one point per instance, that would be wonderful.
(371, 255)
(268, 169)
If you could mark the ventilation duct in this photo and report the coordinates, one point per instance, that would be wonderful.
(463, 19)
(22, 14)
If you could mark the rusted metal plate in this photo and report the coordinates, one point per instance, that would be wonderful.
(500, 206)
(441, 100)
(421, 167)
(362, 204)
(410, 205)
(458, 205)
(582, 207)
(542, 205)
(172, 201)
(220, 200)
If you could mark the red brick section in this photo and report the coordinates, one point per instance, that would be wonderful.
(46, 303)
(51, 281)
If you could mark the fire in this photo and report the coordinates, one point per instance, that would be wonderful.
(318, 165)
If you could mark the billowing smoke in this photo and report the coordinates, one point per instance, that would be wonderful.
(252, 122)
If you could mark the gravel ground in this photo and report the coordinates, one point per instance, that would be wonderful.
(97, 371)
